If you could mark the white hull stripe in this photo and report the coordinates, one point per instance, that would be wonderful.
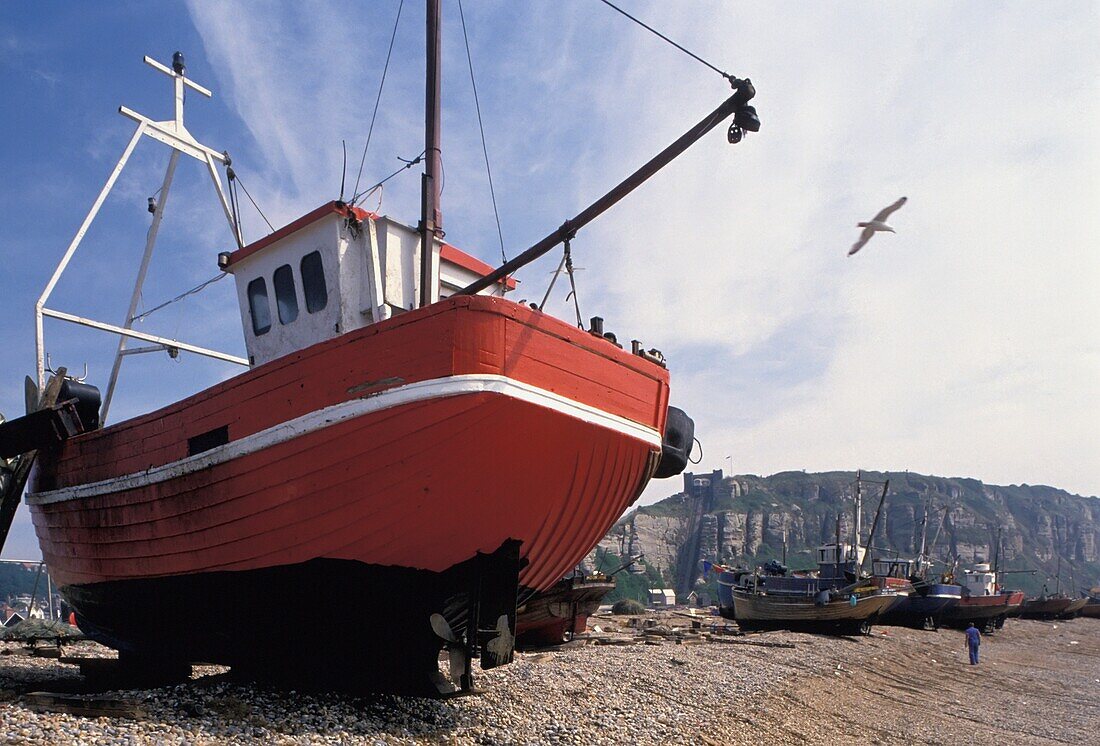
(322, 418)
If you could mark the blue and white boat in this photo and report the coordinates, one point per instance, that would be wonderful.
(927, 600)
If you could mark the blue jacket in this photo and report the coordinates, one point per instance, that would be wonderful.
(973, 637)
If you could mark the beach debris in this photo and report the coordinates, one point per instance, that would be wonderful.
(30, 630)
(83, 705)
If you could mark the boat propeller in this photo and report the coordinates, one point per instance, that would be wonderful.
(456, 649)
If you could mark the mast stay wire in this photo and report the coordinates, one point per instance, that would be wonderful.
(481, 127)
(181, 296)
(245, 189)
(408, 164)
(377, 100)
(686, 51)
(572, 284)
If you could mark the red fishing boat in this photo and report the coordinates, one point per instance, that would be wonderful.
(984, 603)
(405, 439)
(550, 617)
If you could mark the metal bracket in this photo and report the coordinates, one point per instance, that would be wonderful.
(174, 134)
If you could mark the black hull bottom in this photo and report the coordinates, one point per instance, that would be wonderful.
(323, 624)
(920, 612)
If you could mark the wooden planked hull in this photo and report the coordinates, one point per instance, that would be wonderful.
(1045, 608)
(801, 612)
(412, 444)
(983, 608)
(545, 618)
(1074, 609)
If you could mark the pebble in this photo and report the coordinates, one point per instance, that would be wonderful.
(636, 694)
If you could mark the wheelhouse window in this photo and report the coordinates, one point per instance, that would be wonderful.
(258, 307)
(313, 282)
(286, 300)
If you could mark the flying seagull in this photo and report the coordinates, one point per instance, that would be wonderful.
(877, 224)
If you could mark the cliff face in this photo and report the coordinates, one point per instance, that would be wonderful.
(748, 519)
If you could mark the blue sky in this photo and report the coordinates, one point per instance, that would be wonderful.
(964, 345)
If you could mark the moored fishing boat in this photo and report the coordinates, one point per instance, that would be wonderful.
(924, 603)
(838, 597)
(823, 602)
(404, 435)
(1074, 609)
(551, 616)
(1048, 607)
(1092, 604)
(983, 602)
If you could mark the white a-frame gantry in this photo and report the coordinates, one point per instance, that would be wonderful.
(174, 134)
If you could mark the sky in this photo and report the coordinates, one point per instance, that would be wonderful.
(965, 344)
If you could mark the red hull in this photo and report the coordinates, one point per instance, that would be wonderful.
(973, 608)
(546, 617)
(415, 443)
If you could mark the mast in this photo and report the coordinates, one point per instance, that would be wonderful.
(836, 548)
(857, 528)
(923, 538)
(874, 525)
(997, 561)
(923, 532)
(431, 217)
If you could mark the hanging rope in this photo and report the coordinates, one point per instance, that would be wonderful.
(652, 30)
(481, 127)
(378, 99)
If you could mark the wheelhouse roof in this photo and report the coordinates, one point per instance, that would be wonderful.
(447, 252)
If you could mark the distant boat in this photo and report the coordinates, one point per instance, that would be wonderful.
(1092, 604)
(983, 602)
(825, 601)
(550, 616)
(1049, 607)
(926, 601)
(1074, 609)
(837, 597)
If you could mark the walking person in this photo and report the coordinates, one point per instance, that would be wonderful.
(973, 640)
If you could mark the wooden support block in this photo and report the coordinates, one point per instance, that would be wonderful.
(86, 706)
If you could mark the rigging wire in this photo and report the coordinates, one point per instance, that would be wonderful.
(180, 297)
(234, 203)
(245, 189)
(406, 167)
(378, 99)
(481, 127)
(572, 284)
(652, 30)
